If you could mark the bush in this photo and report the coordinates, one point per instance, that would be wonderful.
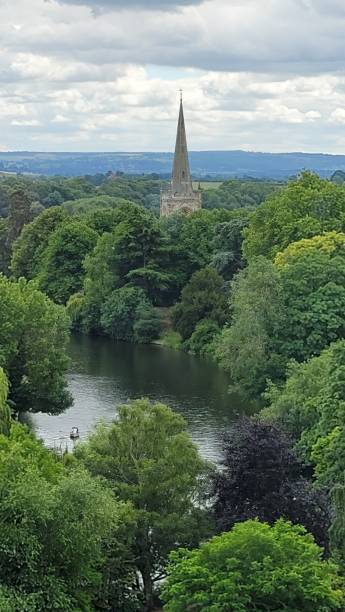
(147, 324)
(202, 338)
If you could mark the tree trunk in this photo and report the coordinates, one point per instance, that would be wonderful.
(148, 588)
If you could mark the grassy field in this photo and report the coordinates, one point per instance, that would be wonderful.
(207, 184)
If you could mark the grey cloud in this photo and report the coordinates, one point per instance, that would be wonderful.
(161, 5)
(291, 37)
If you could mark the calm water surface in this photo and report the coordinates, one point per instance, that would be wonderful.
(104, 374)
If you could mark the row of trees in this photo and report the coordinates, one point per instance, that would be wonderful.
(123, 260)
(79, 194)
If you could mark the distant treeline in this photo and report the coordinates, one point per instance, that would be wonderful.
(82, 194)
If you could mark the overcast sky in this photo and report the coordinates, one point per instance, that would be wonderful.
(104, 75)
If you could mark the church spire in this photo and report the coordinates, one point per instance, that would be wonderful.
(181, 179)
(178, 194)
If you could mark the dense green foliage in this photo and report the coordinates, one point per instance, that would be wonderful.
(62, 271)
(238, 194)
(337, 531)
(5, 413)
(246, 348)
(33, 347)
(254, 567)
(91, 204)
(290, 309)
(312, 274)
(101, 239)
(227, 258)
(149, 460)
(202, 298)
(32, 242)
(53, 525)
(128, 315)
(19, 214)
(94, 530)
(203, 339)
(311, 407)
(302, 209)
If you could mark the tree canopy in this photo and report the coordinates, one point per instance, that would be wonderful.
(303, 208)
(33, 348)
(30, 245)
(149, 460)
(128, 315)
(310, 406)
(312, 275)
(246, 348)
(203, 297)
(54, 523)
(263, 478)
(254, 567)
(5, 413)
(62, 271)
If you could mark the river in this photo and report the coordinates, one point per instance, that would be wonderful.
(104, 374)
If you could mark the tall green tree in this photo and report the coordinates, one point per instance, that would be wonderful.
(304, 208)
(128, 315)
(54, 525)
(133, 253)
(62, 272)
(30, 245)
(254, 567)
(197, 234)
(149, 460)
(203, 297)
(4, 251)
(33, 348)
(227, 258)
(311, 406)
(337, 531)
(246, 348)
(312, 275)
(18, 215)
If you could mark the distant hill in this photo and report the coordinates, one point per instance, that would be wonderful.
(210, 164)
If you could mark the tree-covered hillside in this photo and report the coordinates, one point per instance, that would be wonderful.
(222, 164)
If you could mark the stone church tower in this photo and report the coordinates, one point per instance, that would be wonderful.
(179, 196)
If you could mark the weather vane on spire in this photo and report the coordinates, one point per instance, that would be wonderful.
(181, 93)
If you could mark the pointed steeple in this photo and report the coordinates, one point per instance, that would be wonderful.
(181, 179)
(178, 196)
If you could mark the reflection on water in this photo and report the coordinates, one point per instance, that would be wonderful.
(104, 374)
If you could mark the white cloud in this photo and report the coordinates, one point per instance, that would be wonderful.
(100, 5)
(338, 115)
(61, 119)
(256, 74)
(25, 122)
